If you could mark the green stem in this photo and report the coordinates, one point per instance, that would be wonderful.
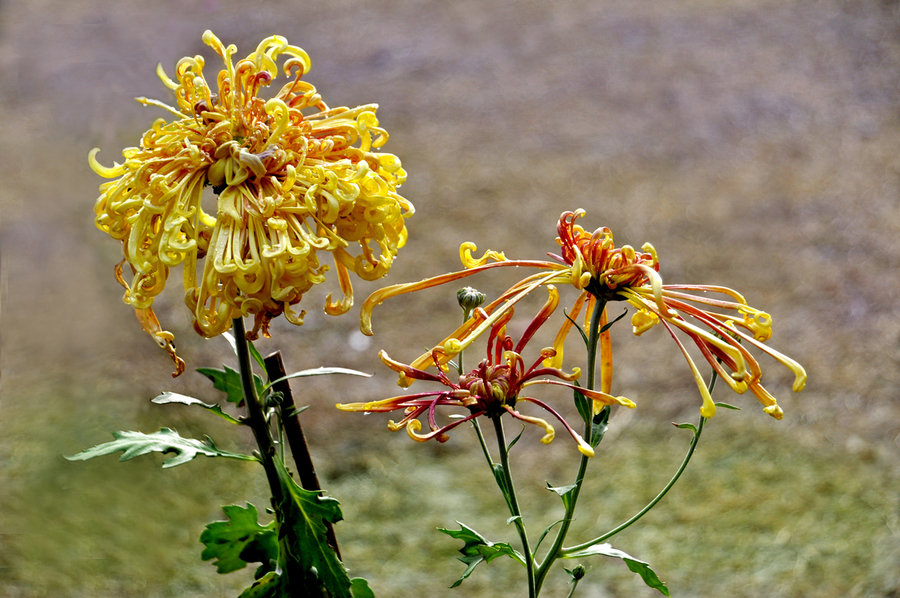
(555, 551)
(650, 505)
(256, 414)
(263, 434)
(513, 502)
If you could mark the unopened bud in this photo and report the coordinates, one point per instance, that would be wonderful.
(469, 299)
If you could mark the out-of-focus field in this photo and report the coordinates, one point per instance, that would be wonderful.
(754, 143)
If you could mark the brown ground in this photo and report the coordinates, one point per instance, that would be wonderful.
(753, 143)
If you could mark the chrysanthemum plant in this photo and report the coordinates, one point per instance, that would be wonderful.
(292, 179)
(716, 319)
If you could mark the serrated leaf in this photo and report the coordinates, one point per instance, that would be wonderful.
(268, 586)
(359, 588)
(565, 493)
(728, 406)
(305, 512)
(135, 444)
(228, 380)
(477, 550)
(240, 540)
(173, 397)
(636, 566)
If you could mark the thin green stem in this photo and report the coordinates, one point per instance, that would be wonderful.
(484, 447)
(651, 504)
(555, 549)
(514, 510)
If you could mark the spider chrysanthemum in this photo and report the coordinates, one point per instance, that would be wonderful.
(292, 178)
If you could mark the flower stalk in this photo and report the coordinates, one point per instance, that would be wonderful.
(555, 549)
(516, 514)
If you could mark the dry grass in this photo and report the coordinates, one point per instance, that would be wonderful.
(753, 143)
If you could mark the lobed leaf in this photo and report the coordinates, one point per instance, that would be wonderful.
(173, 397)
(477, 550)
(135, 444)
(241, 540)
(305, 512)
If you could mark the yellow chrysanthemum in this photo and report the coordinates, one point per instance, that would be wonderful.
(293, 178)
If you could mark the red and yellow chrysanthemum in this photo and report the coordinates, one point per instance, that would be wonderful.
(292, 177)
(722, 329)
(492, 389)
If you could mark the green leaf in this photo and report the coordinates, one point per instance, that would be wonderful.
(305, 512)
(166, 440)
(241, 540)
(728, 406)
(477, 550)
(565, 493)
(544, 534)
(254, 353)
(269, 585)
(686, 426)
(584, 405)
(640, 567)
(228, 381)
(513, 442)
(599, 425)
(359, 588)
(577, 327)
(609, 325)
(499, 476)
(321, 371)
(173, 397)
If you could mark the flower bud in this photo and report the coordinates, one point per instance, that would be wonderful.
(469, 299)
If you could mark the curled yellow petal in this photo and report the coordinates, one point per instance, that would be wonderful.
(108, 173)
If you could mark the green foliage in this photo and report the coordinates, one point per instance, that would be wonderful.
(565, 493)
(305, 512)
(240, 540)
(359, 588)
(174, 397)
(135, 444)
(228, 380)
(599, 425)
(599, 422)
(270, 585)
(477, 550)
(640, 567)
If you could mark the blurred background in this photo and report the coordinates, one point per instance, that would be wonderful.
(753, 142)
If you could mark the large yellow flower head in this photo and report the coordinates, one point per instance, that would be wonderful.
(293, 178)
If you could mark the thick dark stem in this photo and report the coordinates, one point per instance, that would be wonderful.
(290, 422)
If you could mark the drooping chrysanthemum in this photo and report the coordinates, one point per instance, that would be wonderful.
(603, 272)
(492, 389)
(292, 177)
